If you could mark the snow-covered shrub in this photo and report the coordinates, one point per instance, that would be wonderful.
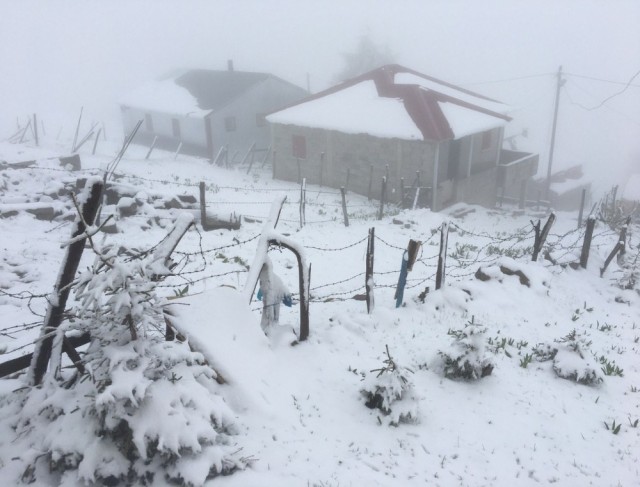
(466, 358)
(391, 392)
(572, 362)
(146, 411)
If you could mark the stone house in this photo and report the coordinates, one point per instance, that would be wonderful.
(417, 131)
(207, 110)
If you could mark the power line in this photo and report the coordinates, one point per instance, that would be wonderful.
(509, 79)
(617, 93)
(600, 79)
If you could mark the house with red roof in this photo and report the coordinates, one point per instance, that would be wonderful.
(207, 110)
(435, 143)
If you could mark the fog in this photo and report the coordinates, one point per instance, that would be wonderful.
(59, 56)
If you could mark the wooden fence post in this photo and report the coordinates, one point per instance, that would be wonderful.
(383, 194)
(75, 137)
(175, 156)
(586, 246)
(442, 256)
(541, 236)
(153, 144)
(203, 206)
(95, 142)
(35, 128)
(344, 206)
(408, 259)
(368, 275)
(303, 201)
(62, 287)
(620, 247)
(581, 212)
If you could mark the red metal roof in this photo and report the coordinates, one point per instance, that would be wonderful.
(422, 105)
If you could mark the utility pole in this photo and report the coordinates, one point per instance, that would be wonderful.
(559, 83)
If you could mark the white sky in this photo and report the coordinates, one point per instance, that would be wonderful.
(58, 56)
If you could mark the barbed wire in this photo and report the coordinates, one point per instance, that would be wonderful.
(336, 249)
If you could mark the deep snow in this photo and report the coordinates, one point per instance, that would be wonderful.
(299, 408)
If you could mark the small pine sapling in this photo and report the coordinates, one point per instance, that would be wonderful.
(571, 360)
(466, 358)
(391, 392)
(146, 411)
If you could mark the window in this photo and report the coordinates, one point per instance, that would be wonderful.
(487, 140)
(148, 122)
(175, 127)
(299, 146)
(261, 119)
(230, 124)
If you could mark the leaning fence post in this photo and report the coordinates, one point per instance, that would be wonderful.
(344, 206)
(35, 128)
(368, 275)
(582, 199)
(408, 259)
(153, 144)
(62, 287)
(383, 194)
(442, 256)
(586, 246)
(175, 156)
(541, 236)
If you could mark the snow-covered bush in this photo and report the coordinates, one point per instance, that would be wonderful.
(572, 362)
(391, 392)
(146, 411)
(466, 358)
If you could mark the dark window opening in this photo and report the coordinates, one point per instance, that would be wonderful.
(230, 124)
(299, 145)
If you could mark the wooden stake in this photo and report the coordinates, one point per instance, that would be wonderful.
(442, 256)
(153, 144)
(368, 275)
(75, 137)
(95, 142)
(62, 287)
(541, 237)
(581, 213)
(203, 207)
(344, 206)
(586, 246)
(383, 195)
(35, 128)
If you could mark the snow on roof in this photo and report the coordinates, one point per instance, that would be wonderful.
(632, 188)
(354, 110)
(396, 102)
(465, 122)
(164, 96)
(461, 94)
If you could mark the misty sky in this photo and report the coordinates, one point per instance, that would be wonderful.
(58, 56)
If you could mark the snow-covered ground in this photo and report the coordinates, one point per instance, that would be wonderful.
(300, 410)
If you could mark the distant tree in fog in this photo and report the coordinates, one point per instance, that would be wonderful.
(366, 56)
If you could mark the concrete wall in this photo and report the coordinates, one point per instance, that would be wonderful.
(261, 99)
(265, 97)
(352, 154)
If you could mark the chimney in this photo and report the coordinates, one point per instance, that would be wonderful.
(230, 65)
